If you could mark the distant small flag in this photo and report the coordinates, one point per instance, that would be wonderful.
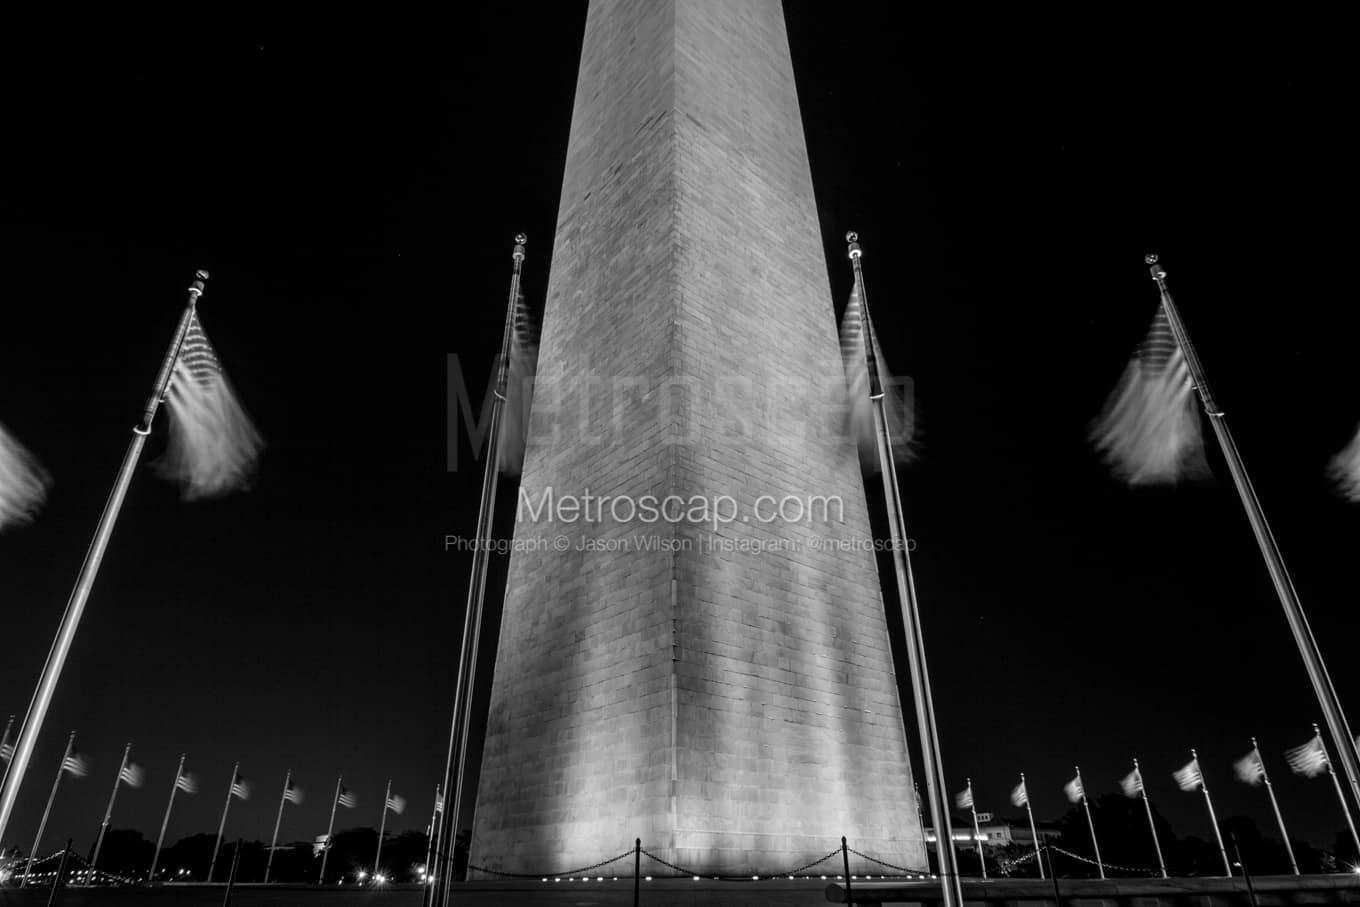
(1149, 431)
(1020, 796)
(857, 335)
(187, 783)
(293, 794)
(23, 483)
(1188, 777)
(240, 787)
(1250, 769)
(1074, 790)
(1309, 760)
(347, 799)
(213, 445)
(131, 775)
(964, 798)
(1132, 783)
(6, 744)
(1345, 470)
(396, 804)
(76, 764)
(439, 803)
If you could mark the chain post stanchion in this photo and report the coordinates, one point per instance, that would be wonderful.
(231, 876)
(1053, 874)
(637, 871)
(845, 858)
(61, 873)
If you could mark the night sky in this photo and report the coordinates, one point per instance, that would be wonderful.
(353, 183)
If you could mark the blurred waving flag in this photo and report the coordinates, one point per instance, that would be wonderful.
(347, 798)
(187, 783)
(1250, 769)
(964, 798)
(438, 802)
(293, 794)
(1020, 796)
(76, 764)
(213, 445)
(1345, 470)
(240, 787)
(1188, 777)
(859, 343)
(132, 775)
(1074, 790)
(1132, 783)
(23, 483)
(520, 369)
(396, 804)
(1149, 431)
(6, 744)
(1309, 760)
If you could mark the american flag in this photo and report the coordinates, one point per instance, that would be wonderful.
(213, 444)
(347, 799)
(1020, 796)
(1149, 431)
(857, 335)
(23, 483)
(396, 804)
(438, 802)
(1250, 769)
(964, 798)
(7, 745)
(1132, 783)
(76, 764)
(1310, 759)
(1188, 776)
(519, 378)
(131, 775)
(187, 783)
(239, 787)
(292, 793)
(1074, 790)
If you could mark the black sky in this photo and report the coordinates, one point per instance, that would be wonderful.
(353, 181)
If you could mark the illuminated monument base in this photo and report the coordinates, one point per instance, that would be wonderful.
(735, 708)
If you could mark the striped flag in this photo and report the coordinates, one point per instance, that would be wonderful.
(1250, 769)
(187, 783)
(1149, 431)
(1309, 760)
(76, 764)
(23, 483)
(1132, 783)
(520, 369)
(213, 445)
(347, 798)
(438, 802)
(6, 744)
(1074, 790)
(240, 788)
(1188, 777)
(964, 798)
(131, 775)
(1345, 470)
(1020, 796)
(293, 794)
(396, 804)
(857, 336)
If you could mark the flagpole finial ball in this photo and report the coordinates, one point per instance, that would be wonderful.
(521, 238)
(852, 236)
(853, 239)
(1150, 259)
(201, 274)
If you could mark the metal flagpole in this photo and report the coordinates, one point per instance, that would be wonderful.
(1350, 823)
(1086, 805)
(42, 826)
(432, 850)
(278, 820)
(951, 888)
(1284, 835)
(75, 606)
(382, 827)
(472, 617)
(222, 826)
(977, 832)
(179, 773)
(330, 829)
(1213, 820)
(1142, 788)
(108, 813)
(1284, 586)
(1029, 810)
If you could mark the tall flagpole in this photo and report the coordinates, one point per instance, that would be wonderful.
(1086, 805)
(1142, 788)
(330, 830)
(42, 826)
(472, 616)
(431, 849)
(977, 832)
(179, 773)
(1284, 586)
(382, 827)
(222, 826)
(278, 820)
(1213, 819)
(1029, 810)
(1345, 808)
(951, 888)
(1274, 804)
(75, 606)
(108, 813)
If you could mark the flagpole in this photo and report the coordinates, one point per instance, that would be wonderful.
(431, 849)
(156, 858)
(1213, 820)
(108, 813)
(472, 616)
(951, 888)
(1086, 805)
(1029, 810)
(278, 820)
(977, 832)
(382, 827)
(330, 830)
(222, 826)
(1274, 804)
(1284, 586)
(1142, 788)
(42, 826)
(75, 606)
(1350, 823)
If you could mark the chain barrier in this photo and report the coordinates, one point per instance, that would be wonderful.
(539, 875)
(1068, 853)
(679, 869)
(794, 872)
(902, 869)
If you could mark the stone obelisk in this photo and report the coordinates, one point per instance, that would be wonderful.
(719, 685)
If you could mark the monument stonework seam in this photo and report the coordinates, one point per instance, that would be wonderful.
(735, 709)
